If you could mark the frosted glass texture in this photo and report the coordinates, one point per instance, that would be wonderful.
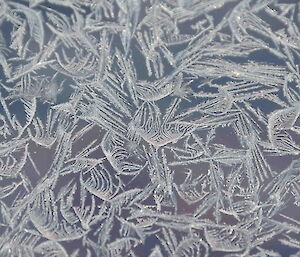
(156, 128)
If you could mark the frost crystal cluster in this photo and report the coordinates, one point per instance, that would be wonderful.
(156, 128)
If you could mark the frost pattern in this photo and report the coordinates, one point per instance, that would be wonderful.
(149, 128)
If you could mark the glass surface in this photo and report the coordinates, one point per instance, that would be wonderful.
(149, 128)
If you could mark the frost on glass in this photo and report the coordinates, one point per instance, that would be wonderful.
(149, 128)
